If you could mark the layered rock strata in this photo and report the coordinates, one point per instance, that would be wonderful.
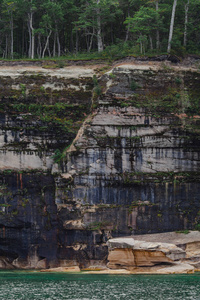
(84, 160)
(138, 255)
(136, 164)
(41, 111)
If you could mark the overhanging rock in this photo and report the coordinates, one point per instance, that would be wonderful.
(127, 252)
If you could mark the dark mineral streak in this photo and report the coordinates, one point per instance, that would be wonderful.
(133, 169)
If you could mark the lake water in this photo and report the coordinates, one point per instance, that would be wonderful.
(17, 285)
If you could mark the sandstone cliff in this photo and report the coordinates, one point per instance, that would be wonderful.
(86, 158)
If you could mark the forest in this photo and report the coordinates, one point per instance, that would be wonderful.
(52, 28)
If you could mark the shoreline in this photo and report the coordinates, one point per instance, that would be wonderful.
(120, 272)
(137, 271)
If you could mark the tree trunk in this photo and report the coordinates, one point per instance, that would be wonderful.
(32, 44)
(23, 46)
(99, 38)
(87, 39)
(71, 42)
(127, 33)
(11, 35)
(77, 41)
(58, 43)
(171, 26)
(128, 30)
(30, 39)
(91, 40)
(39, 47)
(54, 45)
(186, 22)
(6, 50)
(47, 42)
(151, 42)
(31, 35)
(141, 48)
(48, 49)
(157, 31)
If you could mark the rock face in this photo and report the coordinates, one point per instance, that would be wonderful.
(129, 253)
(41, 111)
(136, 165)
(138, 255)
(85, 160)
(28, 218)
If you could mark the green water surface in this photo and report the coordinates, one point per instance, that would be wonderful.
(17, 285)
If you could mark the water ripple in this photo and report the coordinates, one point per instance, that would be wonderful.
(18, 285)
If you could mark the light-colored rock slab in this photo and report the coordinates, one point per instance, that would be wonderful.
(67, 72)
(192, 248)
(170, 237)
(121, 243)
(179, 268)
(190, 242)
(195, 264)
